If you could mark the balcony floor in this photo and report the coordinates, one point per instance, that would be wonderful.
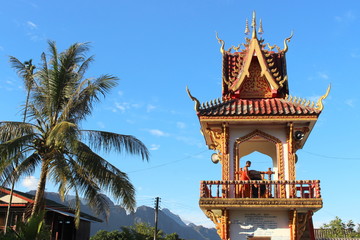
(301, 204)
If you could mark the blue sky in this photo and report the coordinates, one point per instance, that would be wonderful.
(157, 48)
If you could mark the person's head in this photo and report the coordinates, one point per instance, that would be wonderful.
(248, 163)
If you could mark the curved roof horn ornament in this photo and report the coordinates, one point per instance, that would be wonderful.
(286, 41)
(222, 50)
(197, 103)
(319, 104)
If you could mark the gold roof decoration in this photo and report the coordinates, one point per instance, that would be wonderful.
(319, 104)
(297, 100)
(254, 63)
(247, 31)
(222, 50)
(194, 99)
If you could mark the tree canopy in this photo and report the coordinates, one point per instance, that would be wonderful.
(337, 228)
(141, 231)
(59, 98)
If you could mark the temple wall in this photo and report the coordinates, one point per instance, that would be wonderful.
(244, 224)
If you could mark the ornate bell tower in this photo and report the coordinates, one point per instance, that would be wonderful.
(256, 113)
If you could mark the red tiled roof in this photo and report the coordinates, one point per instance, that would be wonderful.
(257, 107)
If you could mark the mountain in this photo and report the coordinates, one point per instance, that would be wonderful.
(168, 222)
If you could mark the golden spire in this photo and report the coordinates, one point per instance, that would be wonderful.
(261, 30)
(253, 25)
(247, 31)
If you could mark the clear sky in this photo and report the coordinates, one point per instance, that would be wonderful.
(159, 47)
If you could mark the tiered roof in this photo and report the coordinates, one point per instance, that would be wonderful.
(255, 82)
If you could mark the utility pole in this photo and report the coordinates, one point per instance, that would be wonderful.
(157, 199)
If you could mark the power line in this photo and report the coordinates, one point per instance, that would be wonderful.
(168, 163)
(331, 157)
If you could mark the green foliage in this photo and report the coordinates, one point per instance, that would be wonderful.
(141, 231)
(33, 229)
(338, 229)
(59, 98)
(172, 236)
(105, 235)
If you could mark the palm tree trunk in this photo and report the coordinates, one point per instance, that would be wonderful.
(16, 165)
(9, 206)
(39, 202)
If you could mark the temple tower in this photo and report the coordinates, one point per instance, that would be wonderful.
(256, 113)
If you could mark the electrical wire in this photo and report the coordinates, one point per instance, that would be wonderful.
(168, 163)
(331, 157)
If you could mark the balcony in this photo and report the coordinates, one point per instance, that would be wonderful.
(282, 194)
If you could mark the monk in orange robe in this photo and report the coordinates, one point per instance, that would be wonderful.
(245, 188)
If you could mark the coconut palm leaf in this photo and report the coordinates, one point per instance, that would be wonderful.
(108, 141)
(10, 130)
(81, 103)
(26, 167)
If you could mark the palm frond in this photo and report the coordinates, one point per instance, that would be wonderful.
(14, 148)
(25, 167)
(84, 66)
(24, 70)
(109, 178)
(10, 130)
(62, 134)
(81, 102)
(108, 141)
(89, 188)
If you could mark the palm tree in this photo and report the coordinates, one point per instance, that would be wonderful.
(26, 72)
(52, 138)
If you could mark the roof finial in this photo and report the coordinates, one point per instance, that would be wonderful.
(319, 104)
(253, 25)
(261, 30)
(197, 103)
(247, 31)
(222, 44)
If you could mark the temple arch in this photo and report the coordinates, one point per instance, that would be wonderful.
(261, 142)
(260, 162)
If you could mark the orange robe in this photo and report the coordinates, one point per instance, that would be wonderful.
(245, 188)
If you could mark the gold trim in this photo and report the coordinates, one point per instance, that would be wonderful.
(281, 82)
(303, 204)
(261, 30)
(221, 222)
(299, 223)
(319, 104)
(255, 49)
(291, 153)
(258, 118)
(247, 31)
(216, 137)
(225, 153)
(285, 42)
(253, 25)
(222, 50)
(194, 99)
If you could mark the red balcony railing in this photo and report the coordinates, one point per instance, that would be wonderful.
(260, 189)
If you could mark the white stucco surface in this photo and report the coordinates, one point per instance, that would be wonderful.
(274, 224)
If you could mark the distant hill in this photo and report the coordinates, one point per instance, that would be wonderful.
(167, 221)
